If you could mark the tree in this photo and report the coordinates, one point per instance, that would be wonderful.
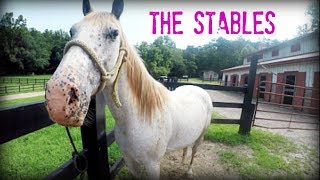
(56, 42)
(178, 67)
(14, 43)
(26, 50)
(313, 11)
(159, 55)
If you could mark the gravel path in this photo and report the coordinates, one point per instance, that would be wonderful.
(306, 137)
(20, 96)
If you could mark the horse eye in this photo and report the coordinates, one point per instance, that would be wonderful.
(112, 34)
(71, 33)
(115, 33)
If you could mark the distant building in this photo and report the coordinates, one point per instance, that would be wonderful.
(210, 75)
(294, 62)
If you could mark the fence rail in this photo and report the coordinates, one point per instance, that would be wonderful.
(23, 80)
(24, 85)
(21, 88)
(174, 85)
(291, 107)
(18, 121)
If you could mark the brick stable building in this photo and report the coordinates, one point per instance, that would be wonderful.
(294, 62)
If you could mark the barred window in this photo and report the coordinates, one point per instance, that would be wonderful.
(275, 52)
(295, 47)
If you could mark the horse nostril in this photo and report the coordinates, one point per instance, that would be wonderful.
(73, 96)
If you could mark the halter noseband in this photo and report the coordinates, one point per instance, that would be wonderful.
(105, 76)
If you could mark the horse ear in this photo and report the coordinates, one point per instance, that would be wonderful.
(117, 8)
(86, 7)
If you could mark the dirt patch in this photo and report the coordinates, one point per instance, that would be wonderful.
(206, 164)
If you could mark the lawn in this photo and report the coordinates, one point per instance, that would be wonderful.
(37, 154)
(269, 155)
(15, 102)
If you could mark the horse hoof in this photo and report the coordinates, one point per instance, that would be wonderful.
(190, 174)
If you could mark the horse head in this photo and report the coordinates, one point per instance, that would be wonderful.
(91, 61)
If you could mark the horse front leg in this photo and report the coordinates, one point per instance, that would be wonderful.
(133, 166)
(152, 170)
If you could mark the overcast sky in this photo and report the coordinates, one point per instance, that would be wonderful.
(137, 23)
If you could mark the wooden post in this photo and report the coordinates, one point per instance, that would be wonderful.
(32, 87)
(27, 81)
(19, 87)
(248, 107)
(94, 140)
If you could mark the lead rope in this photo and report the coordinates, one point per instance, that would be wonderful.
(105, 76)
(115, 96)
(79, 160)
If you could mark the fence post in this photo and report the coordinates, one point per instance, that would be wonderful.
(94, 139)
(19, 87)
(27, 81)
(5, 89)
(248, 107)
(32, 87)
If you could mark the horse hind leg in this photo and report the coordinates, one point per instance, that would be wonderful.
(194, 150)
(185, 151)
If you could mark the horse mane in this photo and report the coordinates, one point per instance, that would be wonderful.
(148, 94)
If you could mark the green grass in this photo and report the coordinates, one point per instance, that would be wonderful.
(37, 154)
(272, 154)
(199, 81)
(216, 115)
(15, 102)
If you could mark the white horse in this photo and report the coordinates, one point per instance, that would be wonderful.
(150, 120)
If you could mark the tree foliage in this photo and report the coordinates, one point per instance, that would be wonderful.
(163, 58)
(313, 11)
(25, 51)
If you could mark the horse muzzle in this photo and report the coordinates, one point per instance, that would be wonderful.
(63, 103)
